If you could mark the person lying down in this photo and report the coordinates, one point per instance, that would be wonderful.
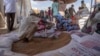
(30, 25)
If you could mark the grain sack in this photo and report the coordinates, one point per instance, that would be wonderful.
(72, 49)
(10, 53)
(6, 43)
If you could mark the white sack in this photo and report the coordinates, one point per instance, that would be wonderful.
(13, 36)
(10, 53)
(1, 52)
(91, 41)
(75, 37)
(6, 43)
(72, 49)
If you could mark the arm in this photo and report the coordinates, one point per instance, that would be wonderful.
(74, 10)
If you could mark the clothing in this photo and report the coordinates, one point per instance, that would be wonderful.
(83, 5)
(49, 12)
(28, 26)
(59, 17)
(67, 13)
(62, 7)
(71, 11)
(10, 9)
(10, 20)
(50, 15)
(55, 8)
(10, 6)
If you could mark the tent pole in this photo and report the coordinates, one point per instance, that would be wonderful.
(91, 7)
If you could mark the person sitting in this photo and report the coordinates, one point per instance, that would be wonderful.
(68, 25)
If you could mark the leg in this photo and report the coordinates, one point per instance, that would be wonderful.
(12, 20)
(32, 29)
(8, 21)
(27, 36)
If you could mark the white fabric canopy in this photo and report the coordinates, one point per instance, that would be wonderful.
(98, 1)
(24, 7)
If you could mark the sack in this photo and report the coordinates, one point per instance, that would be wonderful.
(6, 42)
(1, 52)
(72, 49)
(10, 53)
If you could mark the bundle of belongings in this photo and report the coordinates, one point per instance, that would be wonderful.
(45, 29)
(35, 26)
(65, 24)
(88, 45)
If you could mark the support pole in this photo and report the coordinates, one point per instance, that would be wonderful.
(91, 7)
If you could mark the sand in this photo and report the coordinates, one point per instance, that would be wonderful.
(3, 31)
(38, 45)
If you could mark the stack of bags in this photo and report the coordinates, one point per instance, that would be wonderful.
(6, 42)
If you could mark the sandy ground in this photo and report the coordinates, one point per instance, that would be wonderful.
(3, 31)
(38, 45)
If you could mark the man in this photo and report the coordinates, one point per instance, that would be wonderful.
(72, 11)
(10, 10)
(50, 13)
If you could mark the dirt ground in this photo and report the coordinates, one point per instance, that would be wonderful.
(38, 45)
(3, 31)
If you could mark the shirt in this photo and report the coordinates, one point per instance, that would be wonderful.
(10, 6)
(55, 8)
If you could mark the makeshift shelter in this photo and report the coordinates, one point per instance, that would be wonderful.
(98, 1)
(62, 6)
(65, 1)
